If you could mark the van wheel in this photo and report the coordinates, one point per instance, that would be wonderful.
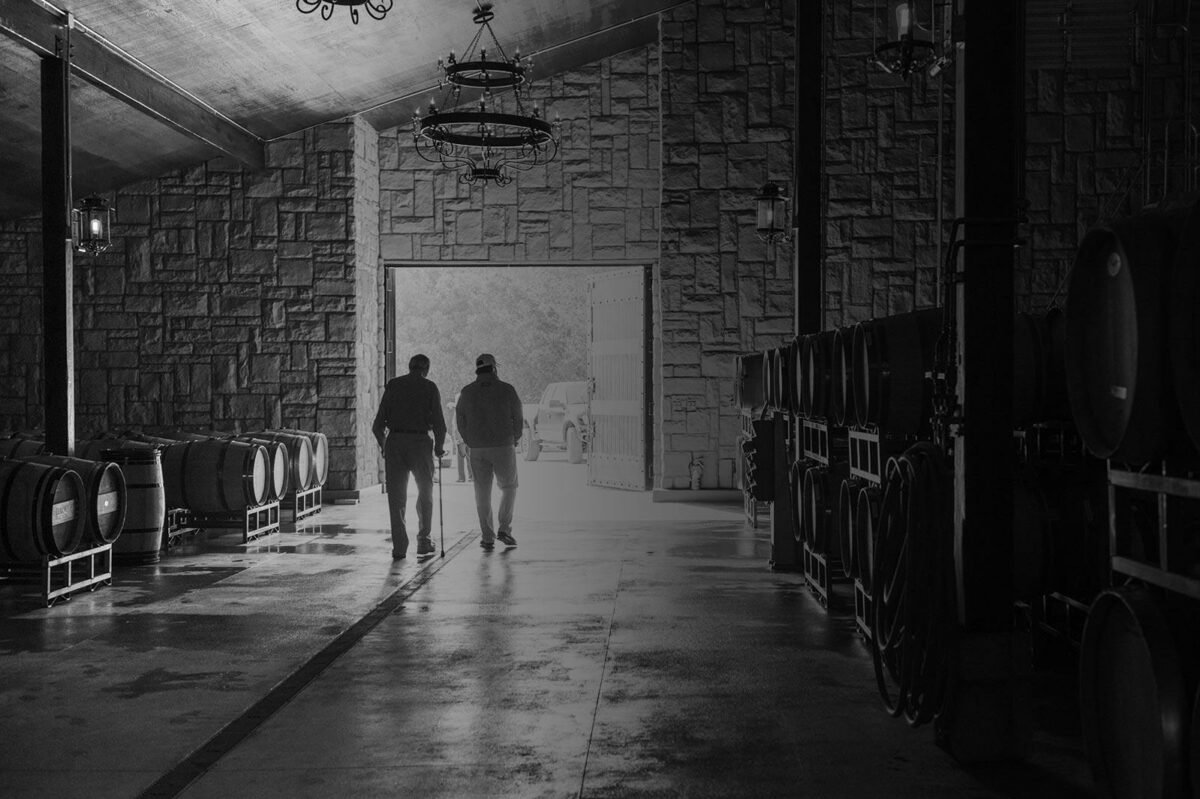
(533, 447)
(574, 446)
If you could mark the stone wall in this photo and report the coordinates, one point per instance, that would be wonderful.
(727, 107)
(230, 299)
(1083, 165)
(881, 163)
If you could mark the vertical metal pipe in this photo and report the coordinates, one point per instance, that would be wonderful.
(57, 267)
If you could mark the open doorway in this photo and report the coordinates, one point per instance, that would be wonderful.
(573, 340)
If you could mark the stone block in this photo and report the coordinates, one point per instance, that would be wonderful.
(193, 303)
(295, 272)
(326, 227)
(341, 327)
(229, 306)
(267, 183)
(337, 423)
(251, 263)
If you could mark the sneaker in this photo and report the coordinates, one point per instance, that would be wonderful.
(425, 547)
(487, 545)
(507, 539)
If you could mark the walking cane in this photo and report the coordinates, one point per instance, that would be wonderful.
(441, 513)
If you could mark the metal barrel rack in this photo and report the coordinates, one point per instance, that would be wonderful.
(63, 576)
(1055, 446)
(1163, 555)
(752, 508)
(868, 451)
(254, 521)
(817, 575)
(178, 525)
(303, 503)
(823, 444)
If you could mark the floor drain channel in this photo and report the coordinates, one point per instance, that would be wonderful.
(189, 769)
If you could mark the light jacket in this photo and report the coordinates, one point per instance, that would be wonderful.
(488, 413)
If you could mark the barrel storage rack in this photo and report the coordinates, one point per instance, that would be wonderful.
(60, 577)
(309, 454)
(254, 521)
(63, 565)
(823, 447)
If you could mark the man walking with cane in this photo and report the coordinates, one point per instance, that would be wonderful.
(488, 416)
(411, 407)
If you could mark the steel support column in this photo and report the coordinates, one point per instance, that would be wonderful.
(58, 322)
(809, 148)
(989, 716)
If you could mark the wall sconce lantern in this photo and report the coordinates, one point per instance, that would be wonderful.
(910, 36)
(91, 225)
(771, 224)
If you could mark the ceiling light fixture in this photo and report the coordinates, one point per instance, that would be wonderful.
(909, 45)
(488, 140)
(376, 8)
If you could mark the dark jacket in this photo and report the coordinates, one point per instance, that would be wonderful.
(488, 413)
(411, 404)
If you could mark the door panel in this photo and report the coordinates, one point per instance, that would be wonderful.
(617, 379)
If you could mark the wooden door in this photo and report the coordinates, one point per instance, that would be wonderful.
(618, 379)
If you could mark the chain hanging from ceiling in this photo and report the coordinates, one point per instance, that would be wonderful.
(378, 9)
(483, 137)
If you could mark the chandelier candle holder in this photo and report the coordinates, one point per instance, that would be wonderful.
(91, 225)
(378, 9)
(909, 46)
(485, 137)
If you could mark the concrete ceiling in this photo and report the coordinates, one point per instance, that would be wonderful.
(258, 69)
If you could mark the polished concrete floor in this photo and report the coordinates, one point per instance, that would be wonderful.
(623, 649)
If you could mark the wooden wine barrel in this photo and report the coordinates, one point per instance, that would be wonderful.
(1029, 369)
(794, 390)
(215, 476)
(782, 379)
(320, 448)
(813, 506)
(105, 495)
(95, 449)
(1039, 379)
(41, 511)
(770, 376)
(1031, 541)
(146, 506)
(300, 453)
(841, 385)
(1184, 326)
(1133, 702)
(749, 386)
(847, 499)
(1116, 339)
(795, 499)
(279, 465)
(20, 446)
(866, 516)
(818, 366)
(891, 356)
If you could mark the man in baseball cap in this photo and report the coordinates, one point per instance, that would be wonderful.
(488, 416)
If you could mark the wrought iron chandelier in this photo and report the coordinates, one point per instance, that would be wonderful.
(376, 8)
(484, 138)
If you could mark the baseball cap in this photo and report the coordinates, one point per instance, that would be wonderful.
(486, 359)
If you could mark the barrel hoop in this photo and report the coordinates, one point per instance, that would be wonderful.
(47, 512)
